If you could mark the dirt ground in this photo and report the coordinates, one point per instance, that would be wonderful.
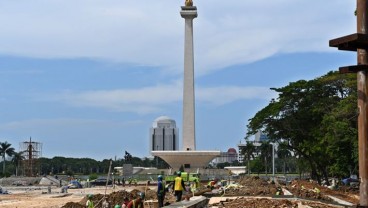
(252, 186)
(257, 187)
(342, 192)
(243, 196)
(271, 203)
(38, 198)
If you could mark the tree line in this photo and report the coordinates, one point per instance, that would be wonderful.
(12, 164)
(316, 120)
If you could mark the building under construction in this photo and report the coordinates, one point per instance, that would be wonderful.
(31, 152)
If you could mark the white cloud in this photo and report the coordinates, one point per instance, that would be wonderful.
(225, 95)
(151, 32)
(154, 99)
(61, 124)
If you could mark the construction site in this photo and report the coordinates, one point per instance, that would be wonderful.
(205, 186)
(247, 191)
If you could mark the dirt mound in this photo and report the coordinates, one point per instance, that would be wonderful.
(304, 189)
(282, 203)
(113, 198)
(252, 186)
(73, 205)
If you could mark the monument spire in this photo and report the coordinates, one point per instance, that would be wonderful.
(189, 157)
(188, 12)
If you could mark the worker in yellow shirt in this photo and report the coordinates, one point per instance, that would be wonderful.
(179, 186)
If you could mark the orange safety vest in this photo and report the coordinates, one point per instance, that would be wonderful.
(178, 185)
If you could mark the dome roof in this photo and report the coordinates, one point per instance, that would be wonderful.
(231, 150)
(164, 119)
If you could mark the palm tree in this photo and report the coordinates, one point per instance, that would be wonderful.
(248, 151)
(17, 158)
(283, 153)
(5, 150)
(266, 153)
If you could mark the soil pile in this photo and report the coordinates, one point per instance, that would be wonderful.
(304, 189)
(113, 198)
(252, 186)
(274, 203)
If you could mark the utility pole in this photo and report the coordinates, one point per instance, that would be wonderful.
(359, 42)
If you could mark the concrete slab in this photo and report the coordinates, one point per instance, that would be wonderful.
(340, 201)
(193, 202)
(214, 200)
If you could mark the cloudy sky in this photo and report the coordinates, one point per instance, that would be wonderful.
(87, 78)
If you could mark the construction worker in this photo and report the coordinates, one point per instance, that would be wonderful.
(212, 184)
(160, 191)
(179, 186)
(316, 190)
(138, 202)
(89, 203)
(194, 185)
(279, 191)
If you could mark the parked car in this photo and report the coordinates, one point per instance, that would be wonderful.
(100, 182)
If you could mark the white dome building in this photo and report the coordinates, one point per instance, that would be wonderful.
(164, 136)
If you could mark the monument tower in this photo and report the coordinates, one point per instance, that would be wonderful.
(188, 12)
(188, 157)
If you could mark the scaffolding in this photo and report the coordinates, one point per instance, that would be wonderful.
(31, 152)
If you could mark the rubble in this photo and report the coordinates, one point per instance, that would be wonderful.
(114, 198)
(250, 186)
(272, 203)
(304, 189)
(246, 192)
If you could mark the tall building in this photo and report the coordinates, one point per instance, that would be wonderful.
(164, 135)
(260, 137)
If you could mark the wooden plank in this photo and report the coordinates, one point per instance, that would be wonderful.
(353, 69)
(350, 42)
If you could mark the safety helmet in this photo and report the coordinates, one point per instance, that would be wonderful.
(141, 195)
(178, 173)
(90, 196)
(117, 206)
(159, 177)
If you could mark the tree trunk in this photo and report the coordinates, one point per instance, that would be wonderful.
(325, 175)
(284, 167)
(248, 167)
(266, 166)
(4, 164)
(315, 174)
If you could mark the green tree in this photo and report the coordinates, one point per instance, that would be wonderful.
(248, 151)
(16, 160)
(265, 154)
(302, 115)
(257, 165)
(283, 153)
(6, 150)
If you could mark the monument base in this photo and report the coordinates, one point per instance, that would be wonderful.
(127, 170)
(187, 159)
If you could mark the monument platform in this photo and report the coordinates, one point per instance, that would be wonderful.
(188, 159)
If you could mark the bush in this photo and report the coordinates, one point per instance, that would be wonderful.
(93, 176)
